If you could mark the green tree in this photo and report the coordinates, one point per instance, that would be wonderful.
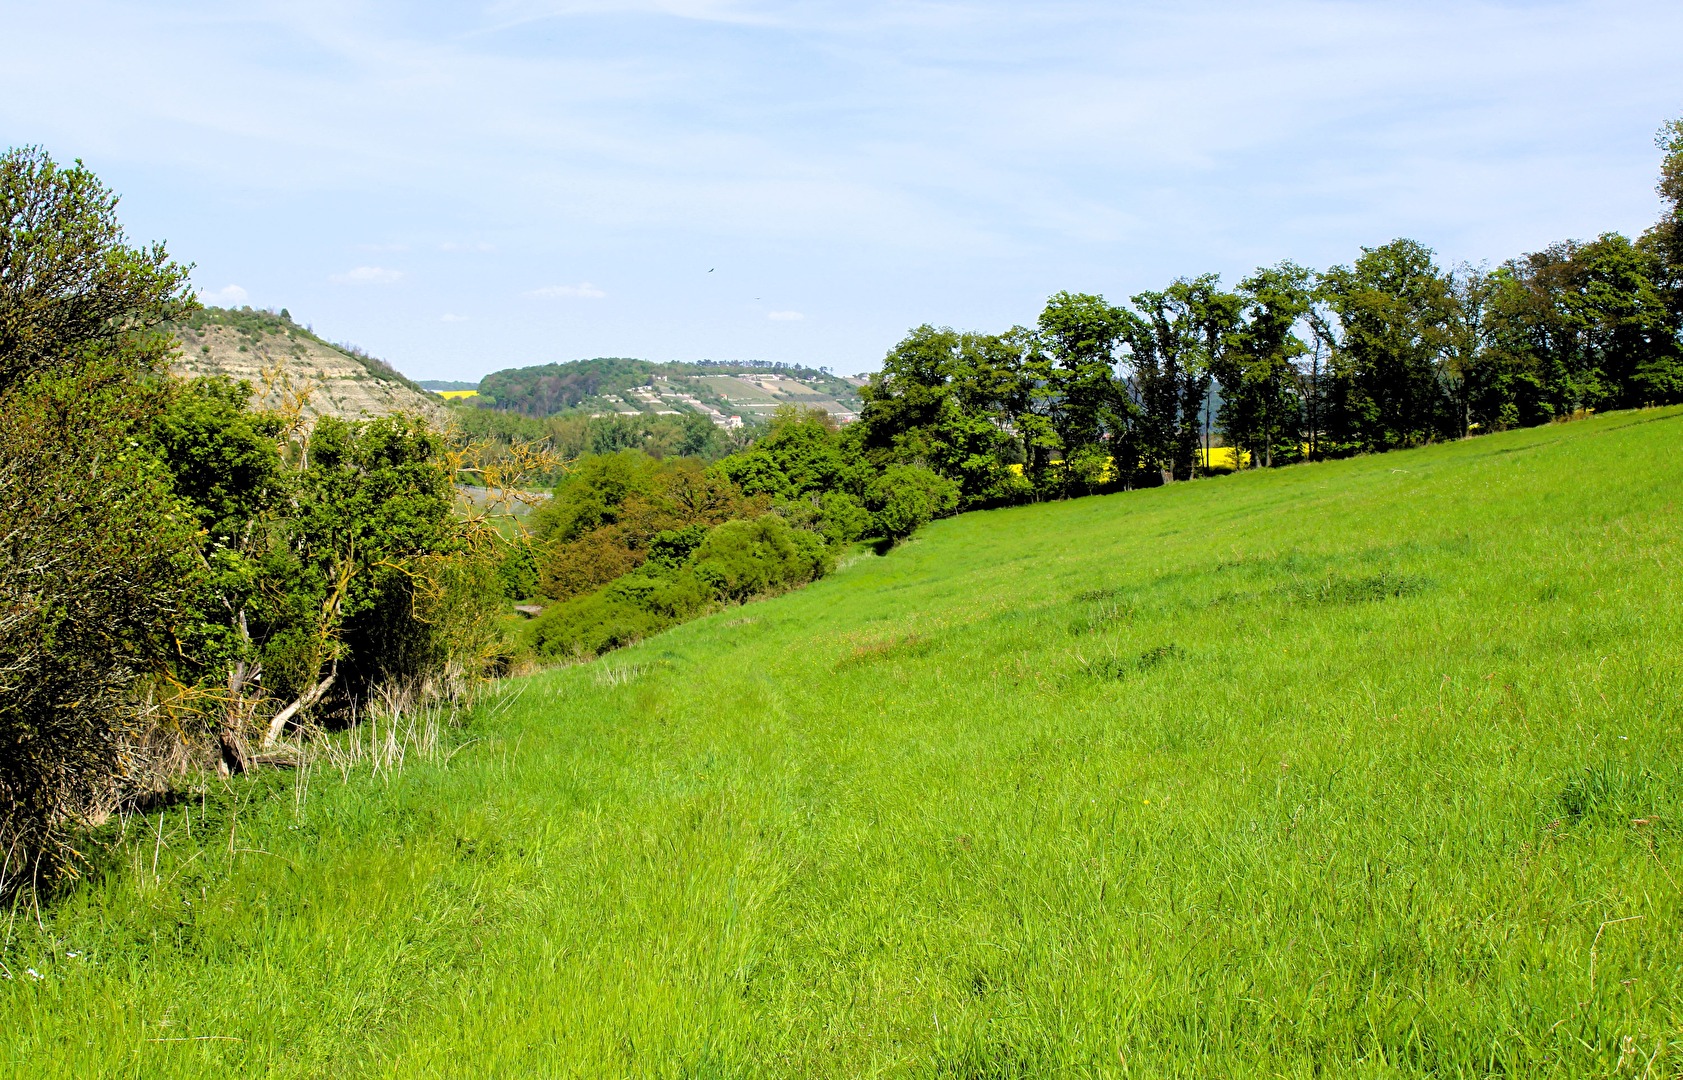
(1665, 239)
(1073, 385)
(98, 555)
(1582, 326)
(1395, 310)
(1261, 410)
(71, 287)
(957, 402)
(802, 454)
(1175, 350)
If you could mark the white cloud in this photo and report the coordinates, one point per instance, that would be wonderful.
(226, 296)
(785, 316)
(584, 290)
(367, 275)
(447, 317)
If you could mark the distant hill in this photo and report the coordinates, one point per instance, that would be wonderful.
(725, 392)
(280, 358)
(446, 384)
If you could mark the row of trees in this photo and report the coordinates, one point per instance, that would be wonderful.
(1291, 364)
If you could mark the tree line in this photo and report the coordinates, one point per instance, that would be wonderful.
(1290, 365)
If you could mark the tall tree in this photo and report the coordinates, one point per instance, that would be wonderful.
(1175, 348)
(1074, 373)
(1583, 326)
(1394, 309)
(1261, 407)
(1665, 239)
(956, 402)
(96, 557)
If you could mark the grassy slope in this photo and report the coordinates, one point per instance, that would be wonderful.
(937, 815)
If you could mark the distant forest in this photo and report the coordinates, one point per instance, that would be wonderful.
(547, 389)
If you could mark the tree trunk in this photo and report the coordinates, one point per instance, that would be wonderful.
(236, 758)
(311, 696)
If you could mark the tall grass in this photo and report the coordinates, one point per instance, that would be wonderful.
(1363, 768)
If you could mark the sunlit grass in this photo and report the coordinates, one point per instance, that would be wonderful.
(1366, 767)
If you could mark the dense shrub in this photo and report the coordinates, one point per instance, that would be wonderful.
(627, 610)
(689, 571)
(97, 561)
(743, 559)
(803, 454)
(611, 507)
(907, 497)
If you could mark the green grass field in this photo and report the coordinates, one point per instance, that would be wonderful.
(1364, 768)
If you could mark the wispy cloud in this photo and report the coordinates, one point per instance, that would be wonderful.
(584, 290)
(448, 317)
(226, 296)
(907, 160)
(367, 275)
(785, 316)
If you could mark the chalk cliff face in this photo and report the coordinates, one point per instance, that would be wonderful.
(284, 362)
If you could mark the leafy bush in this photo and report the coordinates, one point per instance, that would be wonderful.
(97, 560)
(689, 571)
(608, 512)
(803, 454)
(743, 559)
(517, 572)
(907, 497)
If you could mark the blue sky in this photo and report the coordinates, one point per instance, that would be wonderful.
(468, 186)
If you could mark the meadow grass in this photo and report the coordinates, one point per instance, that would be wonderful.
(1364, 768)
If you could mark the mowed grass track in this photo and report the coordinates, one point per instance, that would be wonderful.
(1343, 769)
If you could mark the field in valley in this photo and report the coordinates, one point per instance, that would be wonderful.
(1368, 767)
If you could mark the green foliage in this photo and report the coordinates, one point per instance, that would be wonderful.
(1261, 412)
(97, 558)
(517, 572)
(673, 547)
(688, 571)
(907, 497)
(71, 287)
(1395, 309)
(1578, 326)
(222, 459)
(888, 824)
(611, 507)
(372, 506)
(743, 559)
(550, 388)
(840, 519)
(803, 454)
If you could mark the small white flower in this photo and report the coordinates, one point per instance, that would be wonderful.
(33, 972)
